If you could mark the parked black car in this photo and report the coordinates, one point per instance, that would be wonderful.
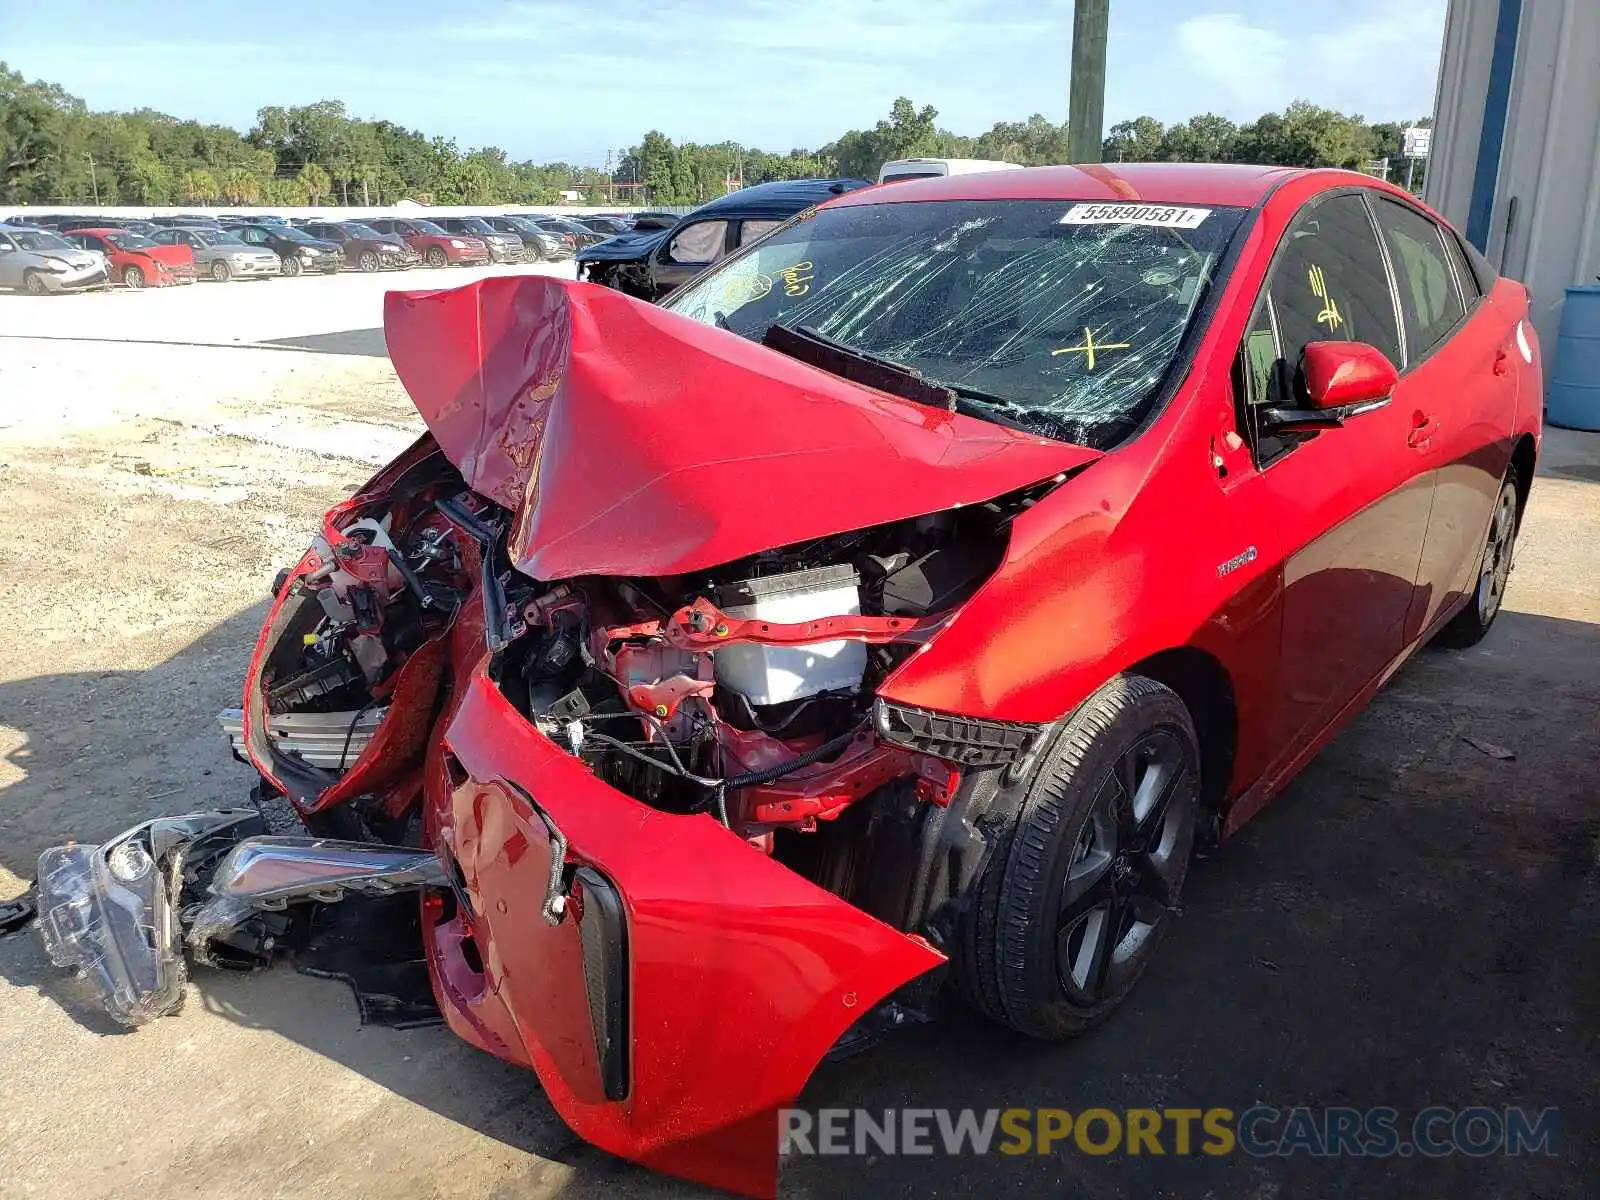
(298, 249)
(503, 247)
(651, 262)
(366, 249)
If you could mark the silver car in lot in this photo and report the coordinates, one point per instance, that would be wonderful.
(221, 254)
(38, 262)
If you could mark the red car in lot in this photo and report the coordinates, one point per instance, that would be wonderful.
(135, 260)
(437, 246)
(896, 606)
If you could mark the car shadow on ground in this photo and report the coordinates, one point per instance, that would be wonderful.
(1412, 923)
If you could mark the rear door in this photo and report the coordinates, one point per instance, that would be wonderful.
(1344, 510)
(1461, 393)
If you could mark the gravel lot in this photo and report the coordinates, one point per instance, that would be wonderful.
(1413, 923)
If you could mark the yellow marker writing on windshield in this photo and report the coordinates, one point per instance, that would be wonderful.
(1089, 347)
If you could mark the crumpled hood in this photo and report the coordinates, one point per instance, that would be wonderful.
(624, 247)
(630, 440)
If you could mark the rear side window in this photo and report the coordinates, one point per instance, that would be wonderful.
(1429, 301)
(751, 230)
(1331, 284)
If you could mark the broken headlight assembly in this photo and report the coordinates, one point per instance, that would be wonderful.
(114, 913)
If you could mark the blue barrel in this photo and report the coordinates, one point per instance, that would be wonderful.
(1572, 397)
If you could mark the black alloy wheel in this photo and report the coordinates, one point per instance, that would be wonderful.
(1119, 886)
(1076, 897)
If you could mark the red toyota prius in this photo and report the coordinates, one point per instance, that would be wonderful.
(896, 606)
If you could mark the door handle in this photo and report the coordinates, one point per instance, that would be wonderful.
(1502, 361)
(1423, 427)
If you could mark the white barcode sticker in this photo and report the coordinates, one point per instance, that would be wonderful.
(1167, 215)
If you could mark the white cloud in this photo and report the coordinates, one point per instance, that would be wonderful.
(1248, 62)
(1377, 65)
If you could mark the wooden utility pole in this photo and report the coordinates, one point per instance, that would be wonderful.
(1086, 103)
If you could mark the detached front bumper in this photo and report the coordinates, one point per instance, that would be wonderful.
(673, 987)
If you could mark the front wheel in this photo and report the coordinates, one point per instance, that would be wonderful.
(33, 283)
(1071, 909)
(437, 257)
(221, 272)
(368, 260)
(291, 266)
(1469, 626)
(132, 277)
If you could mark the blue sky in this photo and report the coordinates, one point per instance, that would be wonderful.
(551, 79)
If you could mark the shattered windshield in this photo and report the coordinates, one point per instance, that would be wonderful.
(1061, 316)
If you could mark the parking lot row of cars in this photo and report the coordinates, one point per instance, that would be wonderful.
(41, 255)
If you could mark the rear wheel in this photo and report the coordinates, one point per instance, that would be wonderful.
(132, 277)
(1070, 911)
(368, 260)
(291, 265)
(1468, 627)
(437, 257)
(220, 271)
(33, 283)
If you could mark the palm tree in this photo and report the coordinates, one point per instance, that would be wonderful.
(315, 181)
(240, 186)
(199, 187)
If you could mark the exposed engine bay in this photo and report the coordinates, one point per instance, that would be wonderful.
(746, 691)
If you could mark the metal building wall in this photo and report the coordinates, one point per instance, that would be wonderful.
(1530, 198)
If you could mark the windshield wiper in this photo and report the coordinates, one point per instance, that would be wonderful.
(858, 366)
(987, 406)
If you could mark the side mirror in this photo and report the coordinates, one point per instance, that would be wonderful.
(1340, 380)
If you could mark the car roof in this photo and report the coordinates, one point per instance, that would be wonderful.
(101, 229)
(780, 199)
(1169, 183)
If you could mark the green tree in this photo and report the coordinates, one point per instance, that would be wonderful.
(1138, 140)
(315, 183)
(286, 193)
(1304, 135)
(1205, 138)
(198, 186)
(909, 132)
(239, 185)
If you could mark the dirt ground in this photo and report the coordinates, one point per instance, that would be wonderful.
(1414, 922)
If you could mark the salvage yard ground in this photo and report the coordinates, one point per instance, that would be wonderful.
(1413, 923)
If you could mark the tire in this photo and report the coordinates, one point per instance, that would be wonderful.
(291, 265)
(437, 257)
(1074, 903)
(132, 277)
(33, 283)
(220, 271)
(533, 252)
(1468, 627)
(368, 261)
